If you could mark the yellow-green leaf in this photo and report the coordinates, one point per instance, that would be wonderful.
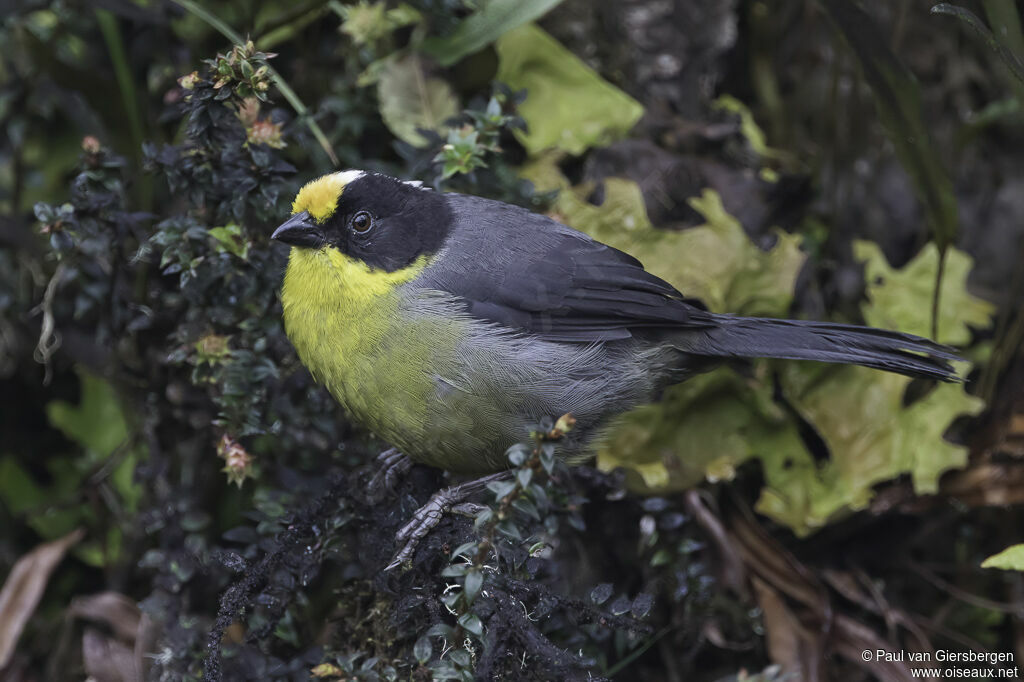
(871, 437)
(901, 299)
(410, 99)
(230, 238)
(704, 427)
(1010, 559)
(568, 106)
(97, 423)
(859, 412)
(752, 132)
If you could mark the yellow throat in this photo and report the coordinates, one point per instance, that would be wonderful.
(335, 305)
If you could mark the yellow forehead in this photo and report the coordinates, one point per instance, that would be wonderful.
(320, 196)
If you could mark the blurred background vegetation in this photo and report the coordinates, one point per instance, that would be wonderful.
(161, 445)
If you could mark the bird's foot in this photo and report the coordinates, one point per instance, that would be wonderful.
(391, 466)
(429, 515)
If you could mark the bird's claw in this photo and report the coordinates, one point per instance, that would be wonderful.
(391, 466)
(429, 515)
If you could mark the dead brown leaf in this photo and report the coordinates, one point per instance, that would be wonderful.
(785, 635)
(113, 609)
(24, 588)
(804, 625)
(108, 659)
(123, 656)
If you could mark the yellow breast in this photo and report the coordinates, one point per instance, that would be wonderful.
(344, 320)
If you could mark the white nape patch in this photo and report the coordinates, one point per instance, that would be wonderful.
(345, 177)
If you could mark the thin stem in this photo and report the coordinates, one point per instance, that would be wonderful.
(129, 95)
(937, 292)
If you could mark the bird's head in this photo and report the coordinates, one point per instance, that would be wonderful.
(380, 221)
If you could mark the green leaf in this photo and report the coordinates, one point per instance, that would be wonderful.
(465, 548)
(493, 19)
(897, 296)
(547, 457)
(230, 239)
(97, 423)
(871, 437)
(474, 583)
(471, 622)
(423, 650)
(859, 413)
(442, 630)
(501, 489)
(518, 453)
(602, 593)
(454, 570)
(410, 99)
(568, 106)
(752, 132)
(18, 491)
(51, 511)
(527, 507)
(1010, 559)
(898, 102)
(704, 427)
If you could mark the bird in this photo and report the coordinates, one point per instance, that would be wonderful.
(450, 324)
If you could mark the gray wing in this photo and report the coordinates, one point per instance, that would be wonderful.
(526, 271)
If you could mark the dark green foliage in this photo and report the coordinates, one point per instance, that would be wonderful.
(478, 154)
(138, 297)
(501, 574)
(183, 307)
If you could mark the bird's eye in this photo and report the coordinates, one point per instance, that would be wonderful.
(362, 221)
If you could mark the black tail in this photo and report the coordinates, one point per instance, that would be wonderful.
(754, 337)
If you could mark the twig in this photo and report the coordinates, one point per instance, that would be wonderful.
(49, 338)
(964, 595)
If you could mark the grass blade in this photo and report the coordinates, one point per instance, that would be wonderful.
(898, 102)
(970, 19)
(493, 20)
(115, 46)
